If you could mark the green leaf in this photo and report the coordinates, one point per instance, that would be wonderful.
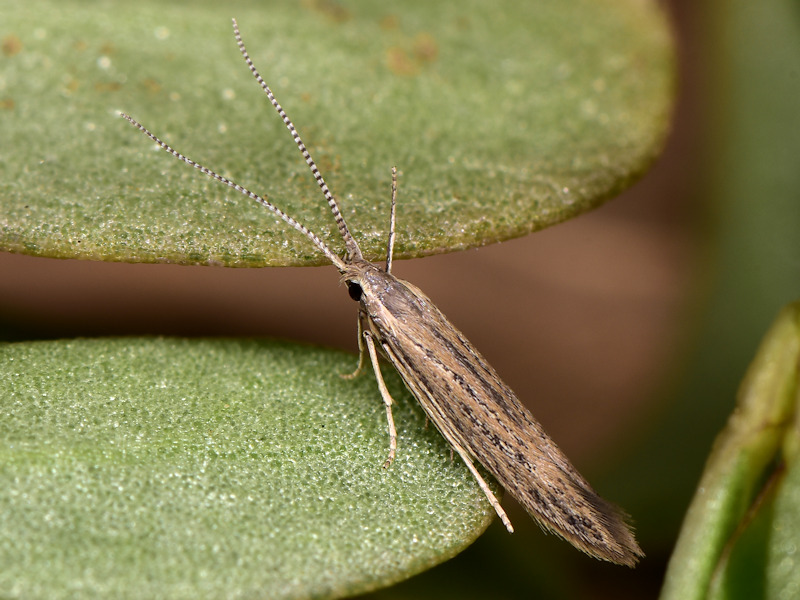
(503, 119)
(137, 468)
(739, 539)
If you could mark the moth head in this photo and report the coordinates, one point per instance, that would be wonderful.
(365, 281)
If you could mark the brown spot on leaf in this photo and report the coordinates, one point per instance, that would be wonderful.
(425, 47)
(11, 45)
(389, 22)
(151, 85)
(330, 8)
(400, 63)
(108, 86)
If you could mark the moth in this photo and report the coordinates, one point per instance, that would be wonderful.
(463, 396)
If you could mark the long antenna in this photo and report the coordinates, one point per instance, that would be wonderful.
(340, 264)
(350, 243)
(390, 242)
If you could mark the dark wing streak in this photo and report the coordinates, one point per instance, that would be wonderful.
(450, 434)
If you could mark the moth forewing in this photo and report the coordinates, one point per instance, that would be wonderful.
(459, 391)
(483, 420)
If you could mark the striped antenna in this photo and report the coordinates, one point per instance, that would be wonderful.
(353, 251)
(340, 264)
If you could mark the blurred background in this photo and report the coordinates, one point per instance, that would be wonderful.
(626, 330)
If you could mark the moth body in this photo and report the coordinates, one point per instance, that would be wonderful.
(482, 418)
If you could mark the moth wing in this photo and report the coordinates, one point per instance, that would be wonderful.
(468, 402)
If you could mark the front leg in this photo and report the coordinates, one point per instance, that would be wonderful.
(361, 349)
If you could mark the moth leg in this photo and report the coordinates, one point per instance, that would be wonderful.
(483, 485)
(387, 398)
(362, 352)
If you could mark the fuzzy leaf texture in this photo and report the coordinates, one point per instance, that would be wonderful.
(502, 121)
(134, 468)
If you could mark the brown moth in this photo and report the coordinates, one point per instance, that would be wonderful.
(459, 391)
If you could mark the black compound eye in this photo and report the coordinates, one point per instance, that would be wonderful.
(354, 290)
